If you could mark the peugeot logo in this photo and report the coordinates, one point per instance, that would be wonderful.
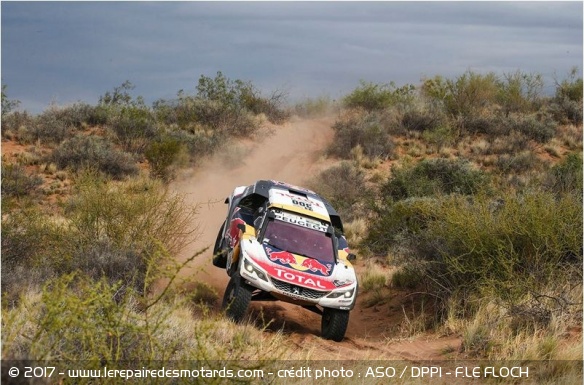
(295, 290)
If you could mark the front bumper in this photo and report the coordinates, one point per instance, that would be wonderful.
(342, 298)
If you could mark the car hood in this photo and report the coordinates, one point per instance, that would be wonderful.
(297, 269)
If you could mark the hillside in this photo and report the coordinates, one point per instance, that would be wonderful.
(465, 214)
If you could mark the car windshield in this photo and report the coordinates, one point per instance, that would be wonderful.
(300, 240)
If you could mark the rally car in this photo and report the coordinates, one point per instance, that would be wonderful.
(283, 242)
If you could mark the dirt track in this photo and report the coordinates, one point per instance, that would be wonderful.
(290, 153)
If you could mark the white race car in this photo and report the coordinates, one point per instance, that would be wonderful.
(283, 242)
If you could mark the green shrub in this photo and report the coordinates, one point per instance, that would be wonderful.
(520, 163)
(134, 127)
(19, 123)
(566, 111)
(48, 127)
(162, 155)
(372, 97)
(199, 143)
(566, 177)
(34, 248)
(8, 105)
(366, 130)
(520, 92)
(344, 186)
(566, 106)
(476, 247)
(237, 99)
(82, 152)
(540, 129)
(113, 231)
(16, 182)
(469, 94)
(434, 176)
(491, 125)
(396, 226)
(128, 226)
(571, 87)
(421, 120)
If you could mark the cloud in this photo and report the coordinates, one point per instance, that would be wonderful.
(80, 50)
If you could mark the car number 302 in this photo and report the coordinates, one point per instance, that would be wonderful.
(304, 205)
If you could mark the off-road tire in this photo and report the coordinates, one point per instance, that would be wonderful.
(236, 298)
(334, 324)
(219, 257)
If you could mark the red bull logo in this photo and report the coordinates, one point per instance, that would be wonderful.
(283, 257)
(314, 266)
(233, 233)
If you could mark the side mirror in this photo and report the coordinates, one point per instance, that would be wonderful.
(241, 227)
(351, 257)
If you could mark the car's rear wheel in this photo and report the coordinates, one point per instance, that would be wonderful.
(236, 298)
(334, 324)
(219, 257)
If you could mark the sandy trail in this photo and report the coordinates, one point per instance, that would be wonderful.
(291, 153)
(287, 153)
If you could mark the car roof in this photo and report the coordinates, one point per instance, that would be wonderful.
(288, 197)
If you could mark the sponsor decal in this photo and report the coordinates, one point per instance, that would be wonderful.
(346, 282)
(299, 200)
(233, 233)
(300, 221)
(297, 262)
(314, 265)
(296, 277)
(283, 257)
(300, 279)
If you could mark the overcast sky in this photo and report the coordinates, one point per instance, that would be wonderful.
(64, 52)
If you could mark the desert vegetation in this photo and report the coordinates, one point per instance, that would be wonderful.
(470, 191)
(463, 195)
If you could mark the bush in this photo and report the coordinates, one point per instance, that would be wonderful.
(433, 177)
(366, 130)
(161, 155)
(19, 123)
(478, 247)
(343, 186)
(48, 127)
(520, 92)
(491, 125)
(421, 120)
(374, 97)
(134, 127)
(16, 182)
(81, 152)
(520, 163)
(467, 95)
(8, 105)
(566, 177)
(540, 129)
(237, 99)
(120, 231)
(199, 143)
(33, 250)
(567, 106)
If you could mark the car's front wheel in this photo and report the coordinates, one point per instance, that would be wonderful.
(236, 298)
(334, 324)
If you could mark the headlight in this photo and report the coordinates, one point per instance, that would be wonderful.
(337, 294)
(250, 269)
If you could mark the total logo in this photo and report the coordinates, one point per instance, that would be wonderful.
(281, 273)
